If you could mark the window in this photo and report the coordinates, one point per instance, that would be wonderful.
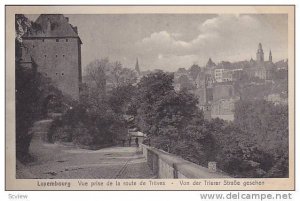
(62, 73)
(32, 46)
(45, 55)
(63, 55)
(67, 40)
(55, 55)
(57, 40)
(43, 40)
(56, 73)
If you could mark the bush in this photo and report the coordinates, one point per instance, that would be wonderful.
(88, 126)
(82, 136)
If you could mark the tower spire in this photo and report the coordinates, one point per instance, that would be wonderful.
(260, 53)
(137, 67)
(270, 56)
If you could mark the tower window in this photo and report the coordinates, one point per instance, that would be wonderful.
(57, 40)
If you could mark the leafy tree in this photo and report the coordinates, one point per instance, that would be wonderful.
(99, 114)
(151, 89)
(22, 25)
(120, 98)
(119, 76)
(97, 78)
(27, 112)
(171, 119)
(267, 124)
(107, 75)
(194, 71)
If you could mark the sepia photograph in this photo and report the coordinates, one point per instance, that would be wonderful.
(178, 100)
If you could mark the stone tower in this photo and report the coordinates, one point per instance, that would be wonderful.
(270, 56)
(55, 47)
(260, 54)
(204, 93)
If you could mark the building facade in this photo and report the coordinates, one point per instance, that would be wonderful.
(54, 46)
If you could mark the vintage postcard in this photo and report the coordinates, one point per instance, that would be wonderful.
(150, 97)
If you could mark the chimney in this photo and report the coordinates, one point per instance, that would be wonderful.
(212, 166)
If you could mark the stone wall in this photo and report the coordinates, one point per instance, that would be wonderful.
(58, 59)
(169, 166)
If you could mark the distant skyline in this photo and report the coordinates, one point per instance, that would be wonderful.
(172, 41)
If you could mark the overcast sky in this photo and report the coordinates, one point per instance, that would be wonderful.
(171, 41)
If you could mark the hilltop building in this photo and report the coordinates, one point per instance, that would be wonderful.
(260, 68)
(213, 84)
(54, 46)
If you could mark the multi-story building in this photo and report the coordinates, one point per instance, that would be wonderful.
(223, 75)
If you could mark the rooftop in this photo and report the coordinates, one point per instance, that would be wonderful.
(52, 25)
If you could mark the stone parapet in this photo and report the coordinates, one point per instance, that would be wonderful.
(169, 166)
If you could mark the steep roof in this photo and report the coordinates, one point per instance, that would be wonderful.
(52, 25)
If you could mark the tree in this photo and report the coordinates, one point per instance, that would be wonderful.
(97, 77)
(119, 76)
(171, 119)
(150, 90)
(27, 93)
(22, 25)
(267, 124)
(120, 98)
(107, 75)
(194, 71)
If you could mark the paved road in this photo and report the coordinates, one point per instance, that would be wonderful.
(66, 161)
(57, 161)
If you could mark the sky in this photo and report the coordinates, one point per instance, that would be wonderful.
(172, 41)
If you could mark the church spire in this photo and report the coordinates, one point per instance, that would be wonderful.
(137, 67)
(270, 56)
